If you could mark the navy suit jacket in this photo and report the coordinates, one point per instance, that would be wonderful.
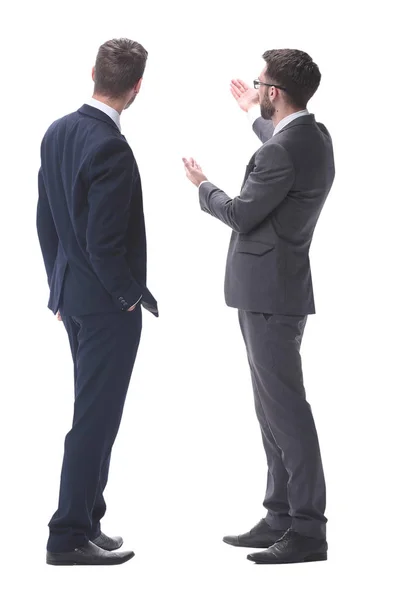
(90, 219)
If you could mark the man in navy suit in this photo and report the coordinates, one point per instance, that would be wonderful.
(91, 229)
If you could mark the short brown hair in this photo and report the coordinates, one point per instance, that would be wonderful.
(294, 70)
(119, 65)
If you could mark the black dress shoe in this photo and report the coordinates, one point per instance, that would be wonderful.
(292, 548)
(88, 555)
(107, 543)
(260, 536)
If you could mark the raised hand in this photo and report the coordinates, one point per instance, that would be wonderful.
(193, 171)
(245, 96)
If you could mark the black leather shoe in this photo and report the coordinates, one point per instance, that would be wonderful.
(107, 543)
(88, 555)
(260, 536)
(292, 548)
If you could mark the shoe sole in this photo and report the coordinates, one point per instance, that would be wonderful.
(311, 558)
(262, 545)
(72, 563)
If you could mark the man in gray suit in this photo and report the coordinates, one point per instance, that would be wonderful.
(268, 280)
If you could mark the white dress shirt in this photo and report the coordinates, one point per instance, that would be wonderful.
(108, 110)
(115, 116)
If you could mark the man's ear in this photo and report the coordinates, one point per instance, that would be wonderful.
(137, 86)
(93, 74)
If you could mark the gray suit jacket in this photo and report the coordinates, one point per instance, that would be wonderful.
(285, 186)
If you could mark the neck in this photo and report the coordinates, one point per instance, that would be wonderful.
(281, 113)
(117, 104)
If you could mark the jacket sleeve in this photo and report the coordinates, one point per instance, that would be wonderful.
(266, 187)
(111, 177)
(263, 129)
(48, 237)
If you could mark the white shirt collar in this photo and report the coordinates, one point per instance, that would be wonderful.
(108, 110)
(288, 119)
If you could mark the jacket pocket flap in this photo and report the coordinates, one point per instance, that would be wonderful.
(251, 247)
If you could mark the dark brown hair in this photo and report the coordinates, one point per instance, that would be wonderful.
(294, 70)
(119, 65)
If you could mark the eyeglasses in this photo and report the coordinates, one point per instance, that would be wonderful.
(258, 83)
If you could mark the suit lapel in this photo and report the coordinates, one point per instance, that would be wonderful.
(249, 168)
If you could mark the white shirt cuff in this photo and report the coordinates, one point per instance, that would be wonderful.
(206, 181)
(136, 302)
(253, 113)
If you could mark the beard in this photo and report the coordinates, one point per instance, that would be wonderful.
(267, 108)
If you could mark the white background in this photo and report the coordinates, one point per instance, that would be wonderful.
(188, 466)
